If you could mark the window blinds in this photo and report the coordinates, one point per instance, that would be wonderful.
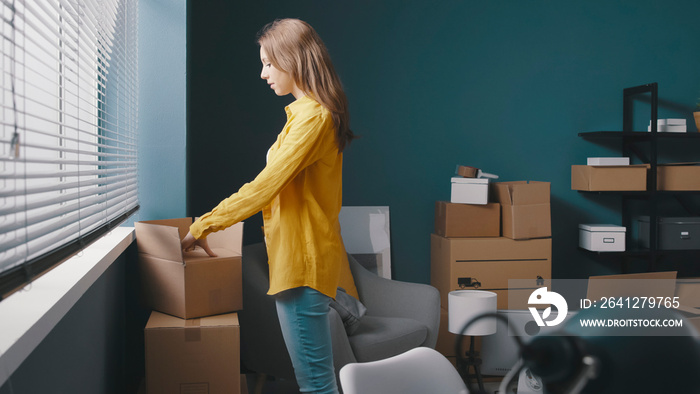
(68, 124)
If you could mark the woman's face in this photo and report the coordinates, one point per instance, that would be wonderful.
(279, 81)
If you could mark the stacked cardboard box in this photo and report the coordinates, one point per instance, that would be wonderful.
(192, 337)
(525, 209)
(483, 246)
(192, 356)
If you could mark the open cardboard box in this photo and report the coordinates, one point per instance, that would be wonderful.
(189, 284)
(525, 209)
(193, 356)
(665, 285)
(688, 292)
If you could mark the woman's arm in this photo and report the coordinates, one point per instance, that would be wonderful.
(305, 142)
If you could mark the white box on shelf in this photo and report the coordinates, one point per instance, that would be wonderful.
(608, 161)
(470, 190)
(671, 125)
(676, 128)
(602, 237)
(676, 121)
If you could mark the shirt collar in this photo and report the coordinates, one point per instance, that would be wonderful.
(293, 107)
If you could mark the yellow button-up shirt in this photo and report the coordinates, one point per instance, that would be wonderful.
(300, 194)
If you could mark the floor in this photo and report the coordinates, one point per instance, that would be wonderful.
(281, 387)
(271, 386)
(286, 387)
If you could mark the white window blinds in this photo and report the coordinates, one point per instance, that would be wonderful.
(68, 125)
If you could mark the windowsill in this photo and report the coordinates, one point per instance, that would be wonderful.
(29, 315)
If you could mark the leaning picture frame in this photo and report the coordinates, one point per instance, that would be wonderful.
(367, 236)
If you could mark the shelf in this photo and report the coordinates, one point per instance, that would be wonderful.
(629, 253)
(642, 193)
(639, 252)
(638, 135)
(630, 145)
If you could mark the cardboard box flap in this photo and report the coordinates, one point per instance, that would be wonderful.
(664, 285)
(162, 320)
(158, 240)
(182, 224)
(230, 239)
(522, 192)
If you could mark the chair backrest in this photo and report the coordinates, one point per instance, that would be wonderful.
(418, 371)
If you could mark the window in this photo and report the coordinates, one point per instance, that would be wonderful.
(68, 126)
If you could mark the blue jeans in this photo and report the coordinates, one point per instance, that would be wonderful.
(303, 315)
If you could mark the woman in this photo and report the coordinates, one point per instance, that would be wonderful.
(300, 195)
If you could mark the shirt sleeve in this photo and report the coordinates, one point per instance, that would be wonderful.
(304, 144)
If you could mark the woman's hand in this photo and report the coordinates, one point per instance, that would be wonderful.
(190, 242)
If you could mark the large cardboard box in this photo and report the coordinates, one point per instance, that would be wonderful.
(609, 178)
(189, 284)
(467, 220)
(678, 176)
(488, 264)
(193, 356)
(525, 209)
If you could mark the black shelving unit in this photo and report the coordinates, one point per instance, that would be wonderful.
(652, 196)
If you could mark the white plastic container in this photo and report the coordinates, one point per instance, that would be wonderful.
(602, 237)
(470, 190)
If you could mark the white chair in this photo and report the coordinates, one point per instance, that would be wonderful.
(418, 371)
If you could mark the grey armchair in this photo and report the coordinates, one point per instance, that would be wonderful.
(400, 316)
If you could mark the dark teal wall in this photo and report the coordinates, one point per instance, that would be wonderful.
(501, 85)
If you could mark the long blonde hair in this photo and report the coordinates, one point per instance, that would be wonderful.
(293, 46)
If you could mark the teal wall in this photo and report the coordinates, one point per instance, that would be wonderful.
(501, 85)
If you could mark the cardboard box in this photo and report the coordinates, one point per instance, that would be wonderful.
(688, 292)
(525, 209)
(488, 264)
(609, 178)
(679, 176)
(632, 285)
(193, 356)
(470, 191)
(467, 220)
(602, 237)
(189, 284)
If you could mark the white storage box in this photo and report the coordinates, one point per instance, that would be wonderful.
(470, 190)
(608, 161)
(601, 237)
